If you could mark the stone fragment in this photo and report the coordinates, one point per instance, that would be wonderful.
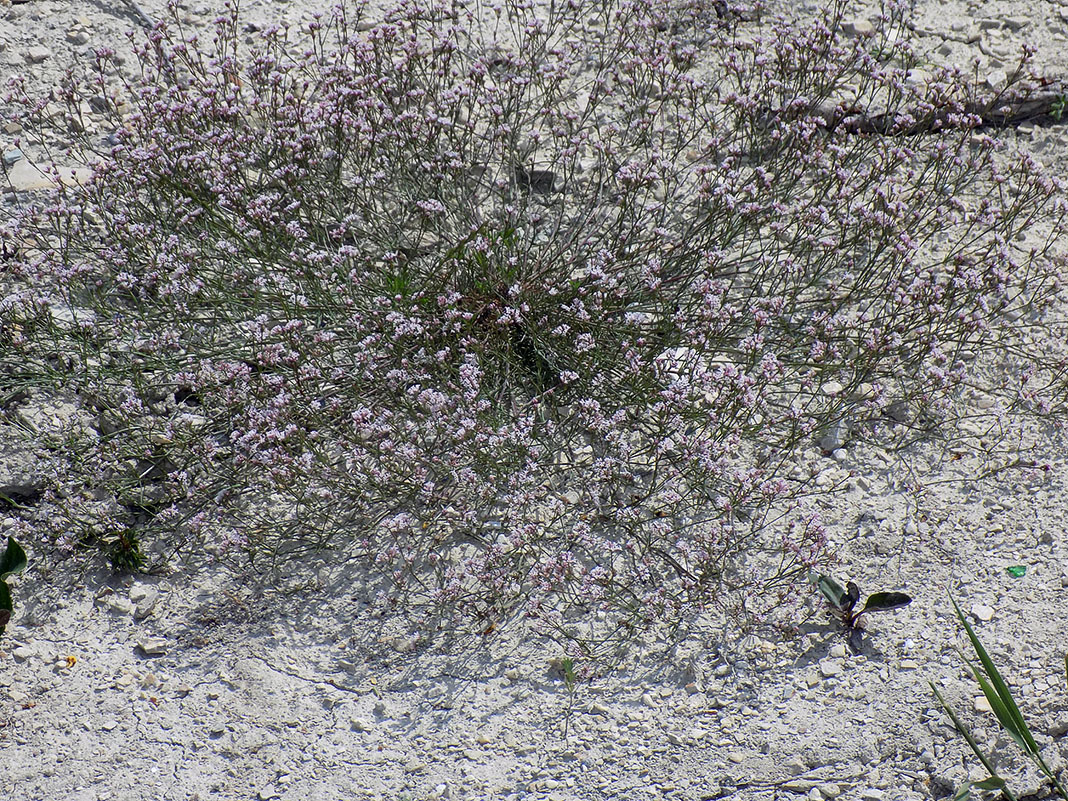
(831, 667)
(836, 436)
(152, 646)
(1059, 726)
(981, 704)
(21, 473)
(11, 156)
(145, 605)
(22, 653)
(996, 79)
(858, 27)
(833, 388)
(982, 612)
(119, 605)
(37, 54)
(76, 37)
(25, 177)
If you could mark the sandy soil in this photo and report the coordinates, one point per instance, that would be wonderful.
(206, 685)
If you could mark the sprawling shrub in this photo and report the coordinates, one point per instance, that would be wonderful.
(530, 307)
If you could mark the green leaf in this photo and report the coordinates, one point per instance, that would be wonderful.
(997, 693)
(853, 591)
(833, 592)
(964, 792)
(14, 559)
(966, 734)
(882, 601)
(990, 783)
(5, 606)
(568, 664)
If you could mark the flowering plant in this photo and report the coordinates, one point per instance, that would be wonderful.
(531, 308)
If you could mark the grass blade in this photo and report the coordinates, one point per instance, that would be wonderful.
(1007, 712)
(967, 735)
(997, 706)
(1004, 706)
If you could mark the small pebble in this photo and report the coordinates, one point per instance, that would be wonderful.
(22, 653)
(859, 27)
(982, 612)
(153, 646)
(981, 704)
(37, 54)
(120, 606)
(830, 667)
(11, 156)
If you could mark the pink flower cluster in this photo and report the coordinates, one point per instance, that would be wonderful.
(532, 310)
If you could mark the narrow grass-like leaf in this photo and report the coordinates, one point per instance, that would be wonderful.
(997, 692)
(1004, 706)
(967, 735)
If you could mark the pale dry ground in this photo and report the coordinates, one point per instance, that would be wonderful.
(300, 695)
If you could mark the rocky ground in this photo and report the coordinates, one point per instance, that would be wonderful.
(205, 685)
